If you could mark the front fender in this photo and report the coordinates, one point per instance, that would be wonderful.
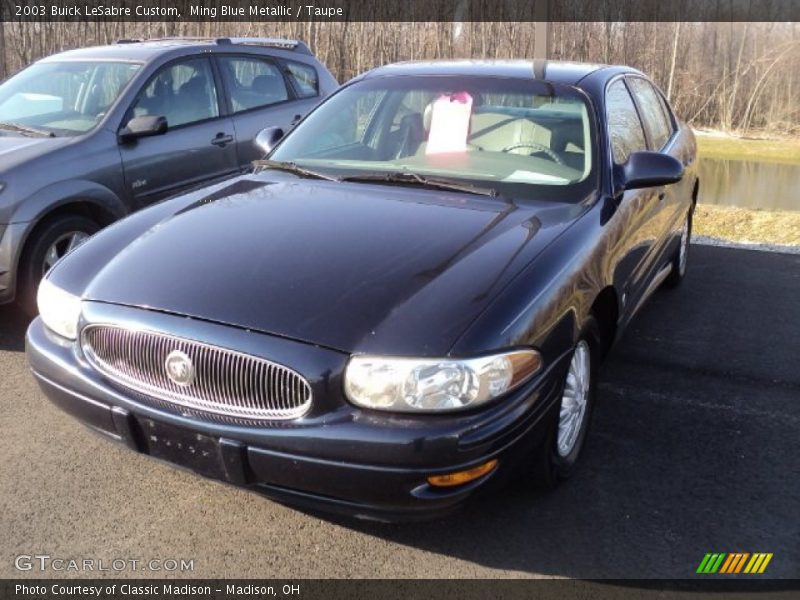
(548, 302)
(62, 193)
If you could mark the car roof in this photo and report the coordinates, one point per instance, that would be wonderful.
(564, 72)
(146, 50)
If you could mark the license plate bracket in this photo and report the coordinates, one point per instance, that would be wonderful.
(195, 451)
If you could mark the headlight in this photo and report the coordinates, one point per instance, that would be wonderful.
(422, 384)
(59, 310)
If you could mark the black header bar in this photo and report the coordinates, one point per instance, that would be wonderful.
(253, 589)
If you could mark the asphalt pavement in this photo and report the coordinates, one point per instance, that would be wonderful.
(694, 449)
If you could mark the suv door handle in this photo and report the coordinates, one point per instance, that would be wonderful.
(222, 140)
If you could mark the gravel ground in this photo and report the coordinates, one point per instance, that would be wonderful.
(705, 240)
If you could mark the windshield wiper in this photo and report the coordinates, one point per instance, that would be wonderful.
(26, 129)
(415, 178)
(291, 167)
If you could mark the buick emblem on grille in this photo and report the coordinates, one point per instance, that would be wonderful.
(179, 368)
(189, 374)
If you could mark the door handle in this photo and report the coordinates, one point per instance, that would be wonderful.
(295, 120)
(222, 140)
(662, 195)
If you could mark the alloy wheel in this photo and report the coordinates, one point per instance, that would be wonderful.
(63, 245)
(574, 400)
(684, 248)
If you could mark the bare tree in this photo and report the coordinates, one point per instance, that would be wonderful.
(733, 76)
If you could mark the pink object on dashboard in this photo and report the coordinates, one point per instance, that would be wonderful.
(450, 124)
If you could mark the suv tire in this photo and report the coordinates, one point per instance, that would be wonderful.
(51, 240)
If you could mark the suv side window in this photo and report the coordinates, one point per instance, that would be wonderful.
(624, 127)
(305, 79)
(652, 111)
(184, 92)
(252, 82)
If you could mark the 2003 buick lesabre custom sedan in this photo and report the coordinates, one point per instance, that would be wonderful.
(408, 301)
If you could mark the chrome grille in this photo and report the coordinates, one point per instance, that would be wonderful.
(224, 381)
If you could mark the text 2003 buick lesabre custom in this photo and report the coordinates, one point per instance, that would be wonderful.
(409, 299)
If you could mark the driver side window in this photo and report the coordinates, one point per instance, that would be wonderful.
(624, 126)
(183, 92)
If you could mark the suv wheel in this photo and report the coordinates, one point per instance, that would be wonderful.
(51, 241)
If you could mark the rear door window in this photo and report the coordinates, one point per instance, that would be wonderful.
(624, 127)
(649, 101)
(304, 78)
(252, 82)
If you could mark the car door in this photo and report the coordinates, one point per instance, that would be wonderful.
(660, 133)
(637, 209)
(262, 93)
(200, 143)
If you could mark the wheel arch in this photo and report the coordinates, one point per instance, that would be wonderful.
(85, 198)
(606, 310)
(82, 198)
(90, 209)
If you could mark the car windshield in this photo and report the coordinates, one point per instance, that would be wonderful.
(522, 138)
(62, 98)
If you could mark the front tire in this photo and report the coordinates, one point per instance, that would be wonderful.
(557, 459)
(49, 242)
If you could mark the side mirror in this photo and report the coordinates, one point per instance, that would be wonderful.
(648, 169)
(146, 126)
(267, 139)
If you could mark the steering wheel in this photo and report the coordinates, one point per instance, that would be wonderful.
(539, 148)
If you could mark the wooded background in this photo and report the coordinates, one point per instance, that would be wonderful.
(731, 76)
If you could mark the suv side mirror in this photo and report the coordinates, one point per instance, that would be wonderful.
(267, 139)
(648, 169)
(145, 126)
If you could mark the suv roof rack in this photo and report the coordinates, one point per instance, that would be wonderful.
(285, 44)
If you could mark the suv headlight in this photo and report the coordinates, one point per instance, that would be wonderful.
(432, 384)
(59, 310)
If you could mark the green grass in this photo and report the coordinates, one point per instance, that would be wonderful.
(728, 147)
(747, 225)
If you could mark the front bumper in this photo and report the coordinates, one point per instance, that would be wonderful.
(12, 237)
(351, 461)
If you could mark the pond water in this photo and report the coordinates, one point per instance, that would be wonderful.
(749, 184)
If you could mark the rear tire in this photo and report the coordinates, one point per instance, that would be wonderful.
(557, 458)
(50, 241)
(680, 259)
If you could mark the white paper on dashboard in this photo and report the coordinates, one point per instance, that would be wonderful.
(533, 177)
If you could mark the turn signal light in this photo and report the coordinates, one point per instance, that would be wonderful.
(461, 477)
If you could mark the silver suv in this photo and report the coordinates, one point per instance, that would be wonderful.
(88, 136)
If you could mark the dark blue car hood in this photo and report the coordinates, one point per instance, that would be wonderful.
(355, 267)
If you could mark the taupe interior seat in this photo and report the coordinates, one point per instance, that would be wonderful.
(494, 132)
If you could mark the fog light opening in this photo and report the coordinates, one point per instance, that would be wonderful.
(462, 477)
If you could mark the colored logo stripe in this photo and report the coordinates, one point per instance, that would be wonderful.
(734, 563)
(724, 563)
(711, 562)
(759, 562)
